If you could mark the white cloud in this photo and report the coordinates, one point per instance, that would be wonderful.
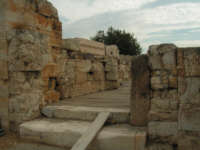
(79, 9)
(188, 43)
(87, 18)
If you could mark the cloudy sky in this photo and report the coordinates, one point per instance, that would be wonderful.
(152, 21)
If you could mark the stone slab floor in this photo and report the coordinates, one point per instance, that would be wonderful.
(118, 98)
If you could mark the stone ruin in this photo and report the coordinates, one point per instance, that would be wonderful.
(168, 101)
(38, 67)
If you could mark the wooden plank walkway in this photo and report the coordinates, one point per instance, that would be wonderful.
(91, 133)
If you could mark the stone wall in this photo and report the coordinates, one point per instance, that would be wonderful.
(30, 37)
(174, 114)
(39, 68)
(90, 71)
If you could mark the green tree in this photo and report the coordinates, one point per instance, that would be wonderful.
(126, 42)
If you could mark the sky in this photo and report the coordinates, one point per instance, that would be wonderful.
(151, 21)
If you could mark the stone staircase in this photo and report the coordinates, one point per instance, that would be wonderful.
(62, 126)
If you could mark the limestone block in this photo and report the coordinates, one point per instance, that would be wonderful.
(164, 105)
(158, 83)
(159, 146)
(91, 47)
(111, 64)
(70, 44)
(3, 44)
(140, 93)
(97, 67)
(4, 113)
(159, 80)
(24, 82)
(110, 85)
(112, 76)
(112, 51)
(165, 131)
(3, 90)
(55, 132)
(173, 82)
(84, 46)
(99, 76)
(81, 77)
(189, 90)
(27, 50)
(84, 65)
(3, 69)
(46, 8)
(188, 141)
(25, 106)
(189, 62)
(189, 118)
(162, 116)
(32, 146)
(162, 56)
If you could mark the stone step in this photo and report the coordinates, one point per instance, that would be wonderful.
(66, 133)
(117, 115)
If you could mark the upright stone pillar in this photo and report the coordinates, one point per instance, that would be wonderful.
(140, 91)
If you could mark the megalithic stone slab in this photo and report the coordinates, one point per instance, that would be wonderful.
(140, 100)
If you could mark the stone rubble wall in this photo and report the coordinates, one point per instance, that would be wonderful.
(173, 117)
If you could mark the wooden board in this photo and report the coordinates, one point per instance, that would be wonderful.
(92, 131)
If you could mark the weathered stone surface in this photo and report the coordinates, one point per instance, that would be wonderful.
(112, 76)
(85, 113)
(189, 62)
(84, 46)
(188, 141)
(164, 131)
(4, 103)
(4, 69)
(164, 105)
(33, 146)
(66, 133)
(140, 93)
(84, 66)
(52, 96)
(27, 50)
(189, 91)
(162, 56)
(46, 8)
(158, 146)
(70, 44)
(189, 118)
(4, 90)
(112, 51)
(25, 106)
(24, 82)
(163, 116)
(111, 65)
(158, 82)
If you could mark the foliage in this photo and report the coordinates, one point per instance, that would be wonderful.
(126, 42)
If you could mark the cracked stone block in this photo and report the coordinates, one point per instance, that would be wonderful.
(189, 118)
(189, 62)
(163, 131)
(162, 56)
